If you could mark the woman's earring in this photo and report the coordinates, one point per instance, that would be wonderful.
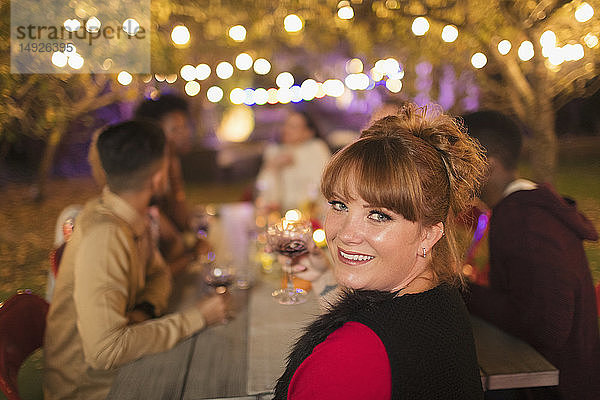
(424, 252)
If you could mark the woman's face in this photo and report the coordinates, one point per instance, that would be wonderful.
(295, 130)
(373, 248)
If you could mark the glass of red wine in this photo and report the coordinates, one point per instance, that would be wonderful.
(290, 239)
(220, 276)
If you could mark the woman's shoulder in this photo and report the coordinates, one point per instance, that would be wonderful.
(342, 365)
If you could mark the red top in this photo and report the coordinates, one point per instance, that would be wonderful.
(351, 363)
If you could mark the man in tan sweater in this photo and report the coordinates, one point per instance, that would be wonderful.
(113, 285)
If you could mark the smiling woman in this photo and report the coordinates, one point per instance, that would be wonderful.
(399, 329)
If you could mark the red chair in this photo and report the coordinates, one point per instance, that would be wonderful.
(22, 326)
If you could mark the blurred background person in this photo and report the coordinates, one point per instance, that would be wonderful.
(399, 328)
(540, 286)
(113, 287)
(178, 242)
(291, 169)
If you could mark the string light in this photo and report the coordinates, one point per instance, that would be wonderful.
(504, 47)
(272, 96)
(333, 87)
(590, 40)
(131, 26)
(93, 25)
(188, 72)
(224, 70)
(124, 78)
(180, 35)
(72, 25)
(449, 33)
(237, 96)
(59, 59)
(584, 12)
(171, 78)
(76, 61)
(284, 80)
(243, 61)
(420, 26)
(526, 51)
(478, 60)
(237, 33)
(309, 89)
(346, 12)
(261, 96)
(393, 85)
(262, 66)
(354, 66)
(214, 94)
(284, 95)
(192, 88)
(292, 23)
(202, 71)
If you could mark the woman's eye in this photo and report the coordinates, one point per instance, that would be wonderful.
(379, 216)
(338, 205)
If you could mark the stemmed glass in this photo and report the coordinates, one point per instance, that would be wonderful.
(219, 276)
(291, 239)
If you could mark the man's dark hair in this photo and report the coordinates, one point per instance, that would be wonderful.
(130, 152)
(157, 109)
(498, 134)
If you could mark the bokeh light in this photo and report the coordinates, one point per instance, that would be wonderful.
(504, 47)
(243, 61)
(449, 33)
(420, 26)
(59, 59)
(237, 96)
(309, 89)
(584, 12)
(224, 70)
(262, 66)
(333, 87)
(478, 60)
(591, 40)
(393, 85)
(124, 78)
(180, 35)
(261, 96)
(526, 51)
(237, 33)
(284, 80)
(292, 23)
(346, 12)
(75, 61)
(188, 72)
(93, 25)
(192, 88)
(202, 71)
(354, 66)
(214, 94)
(131, 26)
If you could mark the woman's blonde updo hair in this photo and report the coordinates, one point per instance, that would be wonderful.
(420, 164)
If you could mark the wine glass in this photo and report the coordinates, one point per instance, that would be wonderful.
(291, 239)
(219, 276)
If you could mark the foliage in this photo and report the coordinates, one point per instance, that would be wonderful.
(529, 90)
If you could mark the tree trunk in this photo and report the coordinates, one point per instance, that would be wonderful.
(54, 139)
(544, 146)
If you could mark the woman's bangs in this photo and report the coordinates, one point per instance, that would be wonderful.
(379, 172)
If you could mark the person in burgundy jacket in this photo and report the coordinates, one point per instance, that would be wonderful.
(540, 286)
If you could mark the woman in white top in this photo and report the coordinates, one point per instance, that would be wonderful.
(291, 170)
